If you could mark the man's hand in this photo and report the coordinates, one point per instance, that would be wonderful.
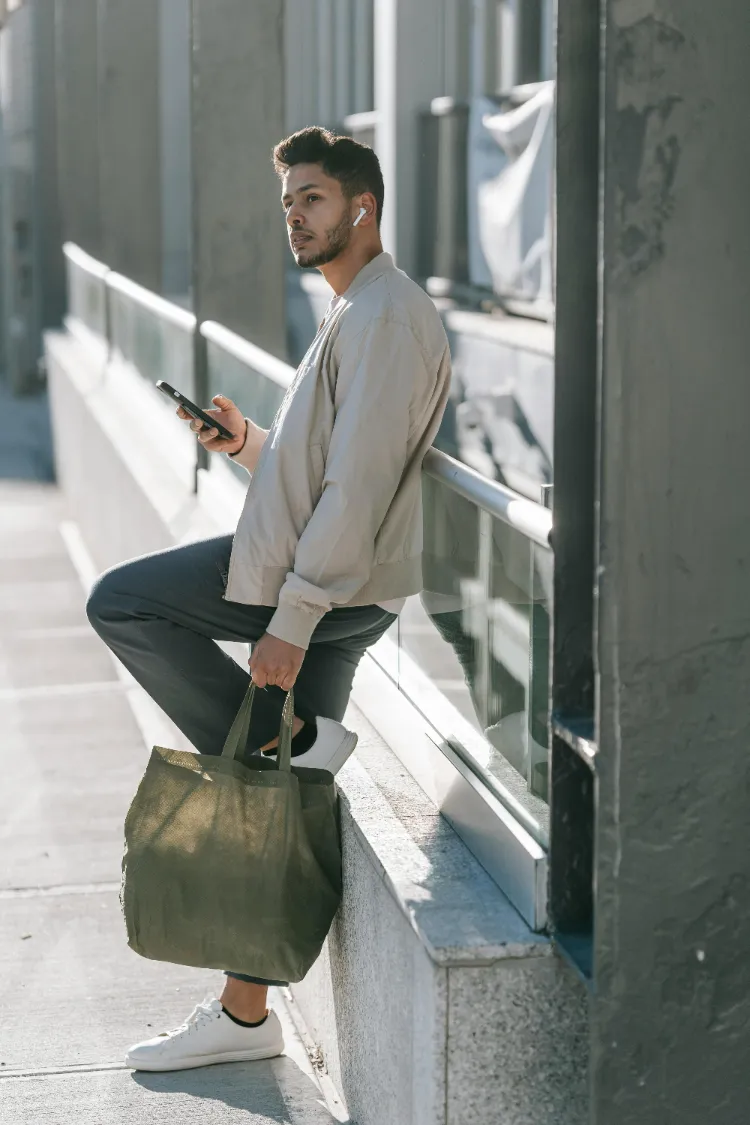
(230, 416)
(275, 662)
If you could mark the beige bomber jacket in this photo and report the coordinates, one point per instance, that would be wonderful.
(333, 512)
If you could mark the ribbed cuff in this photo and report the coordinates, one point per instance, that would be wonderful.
(293, 624)
(240, 455)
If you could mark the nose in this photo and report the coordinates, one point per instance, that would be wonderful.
(293, 217)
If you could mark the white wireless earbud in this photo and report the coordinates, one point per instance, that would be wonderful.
(360, 216)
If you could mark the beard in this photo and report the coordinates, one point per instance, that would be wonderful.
(337, 240)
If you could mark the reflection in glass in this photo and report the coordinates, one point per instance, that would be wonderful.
(478, 637)
(156, 347)
(257, 396)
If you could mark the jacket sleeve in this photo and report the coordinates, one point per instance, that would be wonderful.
(241, 456)
(381, 372)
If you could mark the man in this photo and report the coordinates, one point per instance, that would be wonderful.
(329, 542)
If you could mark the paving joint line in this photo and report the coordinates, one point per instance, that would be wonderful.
(58, 890)
(21, 1074)
(42, 691)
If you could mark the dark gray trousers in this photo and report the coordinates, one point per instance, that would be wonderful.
(161, 615)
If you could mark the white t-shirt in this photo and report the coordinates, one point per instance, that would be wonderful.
(394, 606)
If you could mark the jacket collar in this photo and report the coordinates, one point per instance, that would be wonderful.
(376, 268)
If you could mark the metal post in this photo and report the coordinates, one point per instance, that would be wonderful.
(571, 779)
(538, 706)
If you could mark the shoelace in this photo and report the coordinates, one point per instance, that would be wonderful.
(201, 1014)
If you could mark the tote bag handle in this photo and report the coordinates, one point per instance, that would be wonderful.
(240, 729)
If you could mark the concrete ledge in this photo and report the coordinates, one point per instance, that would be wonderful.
(433, 1003)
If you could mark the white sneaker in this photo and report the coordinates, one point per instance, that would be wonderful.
(330, 750)
(208, 1036)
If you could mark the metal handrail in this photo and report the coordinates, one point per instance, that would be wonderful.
(531, 519)
(239, 348)
(84, 261)
(159, 306)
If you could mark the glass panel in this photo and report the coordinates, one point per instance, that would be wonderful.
(257, 396)
(155, 346)
(87, 298)
(473, 648)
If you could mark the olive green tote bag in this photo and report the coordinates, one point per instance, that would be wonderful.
(232, 864)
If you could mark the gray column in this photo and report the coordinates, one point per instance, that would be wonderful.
(239, 244)
(20, 265)
(488, 50)
(77, 122)
(362, 56)
(50, 280)
(301, 70)
(672, 988)
(32, 265)
(326, 47)
(4, 172)
(408, 75)
(129, 136)
(343, 26)
(174, 72)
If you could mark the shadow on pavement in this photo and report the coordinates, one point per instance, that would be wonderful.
(274, 1089)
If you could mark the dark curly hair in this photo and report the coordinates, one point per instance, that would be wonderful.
(354, 165)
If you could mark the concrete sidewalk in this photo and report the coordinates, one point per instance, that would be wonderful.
(72, 995)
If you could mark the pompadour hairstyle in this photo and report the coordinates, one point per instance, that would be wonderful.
(353, 164)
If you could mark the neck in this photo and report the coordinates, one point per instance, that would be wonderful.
(340, 273)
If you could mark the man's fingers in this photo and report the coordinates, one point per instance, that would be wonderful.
(262, 678)
(274, 663)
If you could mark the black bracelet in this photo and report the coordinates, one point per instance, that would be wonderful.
(244, 442)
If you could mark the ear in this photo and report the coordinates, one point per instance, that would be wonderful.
(368, 201)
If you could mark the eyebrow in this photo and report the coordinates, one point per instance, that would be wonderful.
(305, 187)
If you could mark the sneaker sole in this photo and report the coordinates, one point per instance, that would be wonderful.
(342, 755)
(343, 752)
(207, 1060)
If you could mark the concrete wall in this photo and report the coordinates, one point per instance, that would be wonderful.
(673, 598)
(432, 1001)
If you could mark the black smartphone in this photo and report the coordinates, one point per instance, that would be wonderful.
(193, 410)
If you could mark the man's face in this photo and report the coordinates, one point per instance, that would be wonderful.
(317, 214)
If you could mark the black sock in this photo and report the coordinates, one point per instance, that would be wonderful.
(242, 1022)
(304, 738)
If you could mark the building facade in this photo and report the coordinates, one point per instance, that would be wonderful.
(568, 691)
